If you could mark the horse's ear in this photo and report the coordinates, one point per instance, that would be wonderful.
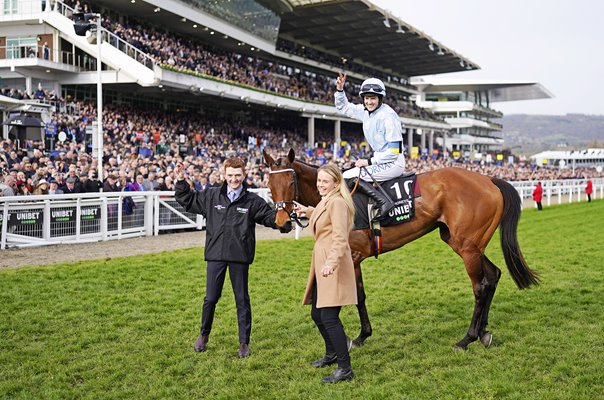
(269, 160)
(291, 156)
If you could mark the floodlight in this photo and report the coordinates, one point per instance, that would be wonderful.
(400, 29)
(82, 24)
(386, 22)
(431, 46)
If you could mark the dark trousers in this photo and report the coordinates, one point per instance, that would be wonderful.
(589, 198)
(328, 321)
(539, 206)
(238, 273)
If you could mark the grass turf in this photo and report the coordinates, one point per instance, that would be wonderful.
(123, 328)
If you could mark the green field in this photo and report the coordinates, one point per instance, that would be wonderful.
(124, 328)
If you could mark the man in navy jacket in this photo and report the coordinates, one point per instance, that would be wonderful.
(231, 214)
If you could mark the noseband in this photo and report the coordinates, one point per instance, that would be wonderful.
(280, 205)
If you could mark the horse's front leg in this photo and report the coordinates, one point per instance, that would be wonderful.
(366, 330)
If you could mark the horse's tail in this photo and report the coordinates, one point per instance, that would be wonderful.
(508, 227)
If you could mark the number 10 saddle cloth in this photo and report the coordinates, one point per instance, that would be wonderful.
(402, 190)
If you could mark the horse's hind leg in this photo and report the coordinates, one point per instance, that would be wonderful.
(492, 274)
(363, 315)
(484, 276)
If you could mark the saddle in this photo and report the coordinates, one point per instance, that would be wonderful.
(402, 190)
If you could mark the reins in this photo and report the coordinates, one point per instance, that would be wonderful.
(358, 178)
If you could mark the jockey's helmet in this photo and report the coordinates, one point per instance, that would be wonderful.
(373, 86)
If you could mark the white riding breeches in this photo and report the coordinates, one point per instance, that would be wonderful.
(380, 172)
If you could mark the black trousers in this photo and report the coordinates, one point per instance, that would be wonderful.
(328, 321)
(539, 206)
(238, 273)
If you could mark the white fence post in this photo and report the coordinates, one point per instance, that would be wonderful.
(156, 205)
(46, 224)
(149, 203)
(78, 218)
(4, 225)
(104, 219)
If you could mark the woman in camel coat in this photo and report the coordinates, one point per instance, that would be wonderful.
(331, 282)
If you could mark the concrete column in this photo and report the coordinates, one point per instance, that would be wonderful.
(422, 141)
(337, 138)
(431, 143)
(445, 155)
(311, 132)
(28, 85)
(409, 140)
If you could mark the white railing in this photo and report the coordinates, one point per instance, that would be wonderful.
(109, 37)
(91, 217)
(33, 9)
(560, 191)
(88, 217)
(40, 52)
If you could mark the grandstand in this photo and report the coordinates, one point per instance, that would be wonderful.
(467, 106)
(571, 159)
(198, 81)
(244, 61)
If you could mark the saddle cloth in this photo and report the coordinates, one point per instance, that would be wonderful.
(402, 191)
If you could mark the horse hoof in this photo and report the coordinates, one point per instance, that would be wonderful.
(358, 342)
(460, 347)
(486, 339)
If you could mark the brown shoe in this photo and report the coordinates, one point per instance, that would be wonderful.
(201, 343)
(244, 350)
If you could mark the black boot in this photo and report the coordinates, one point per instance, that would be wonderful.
(324, 361)
(381, 202)
(339, 375)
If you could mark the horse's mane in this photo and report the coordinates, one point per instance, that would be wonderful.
(279, 162)
(307, 164)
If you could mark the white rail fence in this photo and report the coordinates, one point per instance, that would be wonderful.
(27, 221)
(90, 217)
(560, 191)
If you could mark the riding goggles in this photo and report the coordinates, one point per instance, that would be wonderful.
(372, 88)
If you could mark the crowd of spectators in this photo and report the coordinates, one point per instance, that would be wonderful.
(188, 55)
(342, 63)
(142, 147)
(39, 94)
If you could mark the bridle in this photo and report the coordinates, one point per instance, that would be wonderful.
(280, 205)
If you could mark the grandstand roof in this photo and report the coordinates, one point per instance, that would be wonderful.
(360, 30)
(354, 29)
(498, 91)
(588, 154)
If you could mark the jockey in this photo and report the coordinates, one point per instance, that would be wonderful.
(383, 131)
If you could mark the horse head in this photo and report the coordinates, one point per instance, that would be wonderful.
(283, 184)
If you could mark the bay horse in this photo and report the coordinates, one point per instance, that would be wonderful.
(465, 206)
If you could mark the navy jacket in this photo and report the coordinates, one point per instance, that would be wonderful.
(230, 227)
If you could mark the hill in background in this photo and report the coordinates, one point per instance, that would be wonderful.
(530, 134)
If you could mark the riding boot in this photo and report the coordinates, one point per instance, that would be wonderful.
(382, 202)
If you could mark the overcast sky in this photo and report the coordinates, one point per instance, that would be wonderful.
(558, 43)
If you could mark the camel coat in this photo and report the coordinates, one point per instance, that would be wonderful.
(330, 226)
